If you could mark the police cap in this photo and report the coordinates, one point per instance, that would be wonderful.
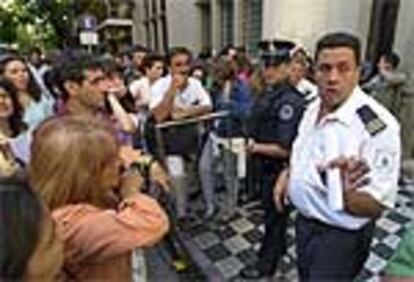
(275, 52)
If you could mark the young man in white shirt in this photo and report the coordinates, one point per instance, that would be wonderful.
(174, 97)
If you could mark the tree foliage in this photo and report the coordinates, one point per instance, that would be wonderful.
(51, 23)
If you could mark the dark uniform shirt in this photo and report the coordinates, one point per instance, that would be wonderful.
(275, 118)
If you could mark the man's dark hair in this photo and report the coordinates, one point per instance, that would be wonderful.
(139, 48)
(110, 67)
(150, 59)
(178, 51)
(72, 67)
(392, 58)
(20, 222)
(340, 39)
(226, 49)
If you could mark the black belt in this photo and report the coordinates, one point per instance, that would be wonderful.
(322, 225)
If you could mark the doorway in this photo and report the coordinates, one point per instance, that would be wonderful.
(384, 16)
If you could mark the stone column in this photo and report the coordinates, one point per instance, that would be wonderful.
(238, 29)
(215, 25)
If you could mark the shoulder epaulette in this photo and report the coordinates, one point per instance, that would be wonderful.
(371, 120)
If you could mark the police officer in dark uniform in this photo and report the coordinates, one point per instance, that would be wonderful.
(273, 126)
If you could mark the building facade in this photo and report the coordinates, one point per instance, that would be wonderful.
(198, 24)
(212, 24)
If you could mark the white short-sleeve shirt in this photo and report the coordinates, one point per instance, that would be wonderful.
(361, 127)
(140, 90)
(193, 94)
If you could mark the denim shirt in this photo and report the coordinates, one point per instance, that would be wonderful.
(39, 111)
(238, 104)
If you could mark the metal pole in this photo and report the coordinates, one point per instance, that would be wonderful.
(108, 8)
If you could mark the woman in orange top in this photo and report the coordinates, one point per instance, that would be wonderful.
(100, 213)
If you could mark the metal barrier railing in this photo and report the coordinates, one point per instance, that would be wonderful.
(234, 146)
(176, 123)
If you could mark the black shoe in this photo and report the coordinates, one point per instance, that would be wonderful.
(253, 272)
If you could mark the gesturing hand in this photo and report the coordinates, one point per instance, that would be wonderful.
(280, 190)
(178, 81)
(354, 172)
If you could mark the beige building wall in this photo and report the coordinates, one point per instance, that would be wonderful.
(215, 25)
(184, 24)
(364, 21)
(238, 23)
(404, 36)
(304, 21)
(138, 29)
(301, 20)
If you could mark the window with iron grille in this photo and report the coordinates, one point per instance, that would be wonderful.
(227, 22)
(254, 25)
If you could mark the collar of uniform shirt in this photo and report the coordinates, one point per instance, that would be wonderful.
(345, 112)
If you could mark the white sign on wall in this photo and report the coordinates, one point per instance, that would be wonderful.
(88, 38)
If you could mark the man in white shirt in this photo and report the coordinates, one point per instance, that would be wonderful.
(337, 211)
(153, 66)
(178, 96)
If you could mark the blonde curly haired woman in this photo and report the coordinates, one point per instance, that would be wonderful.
(100, 212)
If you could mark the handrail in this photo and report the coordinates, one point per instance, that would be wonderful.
(197, 119)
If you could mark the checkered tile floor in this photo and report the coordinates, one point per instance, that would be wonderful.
(224, 248)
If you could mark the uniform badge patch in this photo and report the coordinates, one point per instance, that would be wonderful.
(384, 161)
(286, 112)
(371, 121)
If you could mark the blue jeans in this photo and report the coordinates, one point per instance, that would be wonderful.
(209, 175)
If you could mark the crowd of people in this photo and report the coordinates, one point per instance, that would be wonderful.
(83, 148)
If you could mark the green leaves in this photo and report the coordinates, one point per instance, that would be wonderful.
(52, 23)
(36, 22)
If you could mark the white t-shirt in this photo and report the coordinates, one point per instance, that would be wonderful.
(140, 89)
(193, 94)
